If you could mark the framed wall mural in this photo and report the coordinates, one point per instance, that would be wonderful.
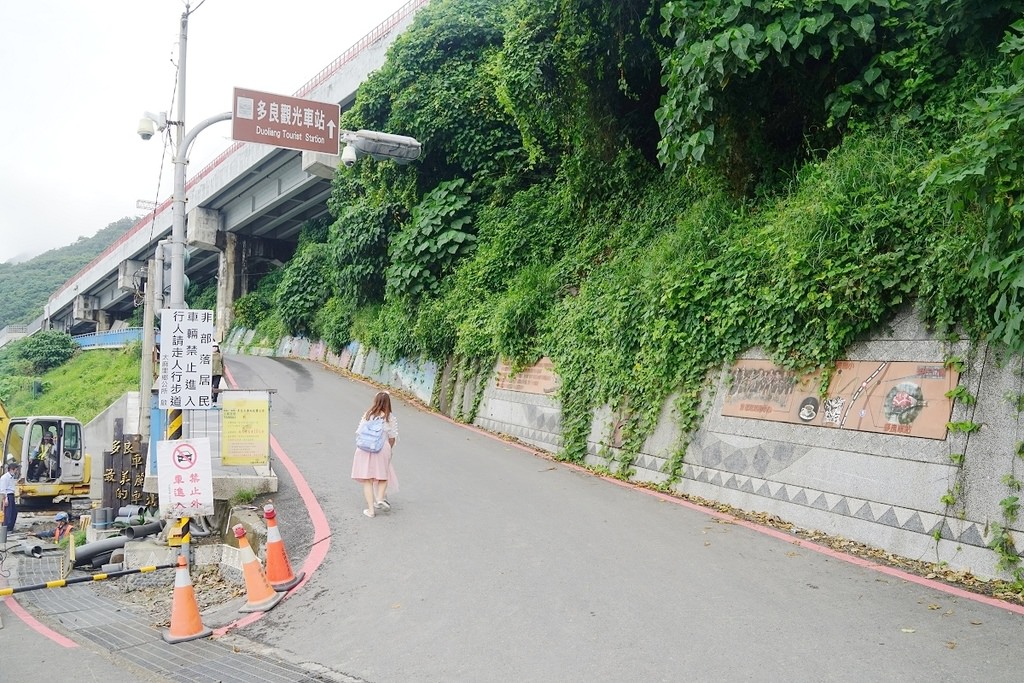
(905, 398)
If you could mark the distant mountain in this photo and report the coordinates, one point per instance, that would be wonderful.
(25, 286)
(22, 257)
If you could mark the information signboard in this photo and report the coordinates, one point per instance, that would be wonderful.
(245, 428)
(186, 359)
(285, 121)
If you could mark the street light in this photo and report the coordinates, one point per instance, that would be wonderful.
(401, 149)
(160, 123)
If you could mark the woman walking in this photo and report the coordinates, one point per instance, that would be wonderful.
(372, 468)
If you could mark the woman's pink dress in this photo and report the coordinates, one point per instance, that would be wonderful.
(366, 465)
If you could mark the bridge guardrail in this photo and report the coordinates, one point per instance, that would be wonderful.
(110, 339)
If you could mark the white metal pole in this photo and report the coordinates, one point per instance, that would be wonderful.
(180, 161)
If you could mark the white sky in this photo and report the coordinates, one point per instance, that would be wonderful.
(77, 75)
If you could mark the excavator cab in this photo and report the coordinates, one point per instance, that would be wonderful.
(54, 465)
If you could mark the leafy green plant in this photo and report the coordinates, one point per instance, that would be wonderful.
(202, 295)
(333, 322)
(963, 426)
(305, 286)
(981, 173)
(437, 237)
(960, 393)
(45, 350)
(252, 308)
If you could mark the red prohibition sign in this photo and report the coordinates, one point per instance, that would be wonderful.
(184, 457)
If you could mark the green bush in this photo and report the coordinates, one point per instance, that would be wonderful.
(333, 323)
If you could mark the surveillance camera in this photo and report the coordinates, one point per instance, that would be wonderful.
(348, 156)
(146, 128)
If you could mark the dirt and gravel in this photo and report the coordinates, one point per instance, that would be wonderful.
(211, 588)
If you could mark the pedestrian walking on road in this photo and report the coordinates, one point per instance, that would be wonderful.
(216, 369)
(371, 464)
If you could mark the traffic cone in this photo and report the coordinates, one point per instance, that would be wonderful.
(186, 624)
(279, 571)
(260, 597)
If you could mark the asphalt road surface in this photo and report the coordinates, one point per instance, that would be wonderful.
(496, 564)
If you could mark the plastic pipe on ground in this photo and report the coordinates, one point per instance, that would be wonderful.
(87, 552)
(142, 530)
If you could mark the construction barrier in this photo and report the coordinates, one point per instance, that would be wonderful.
(260, 596)
(61, 583)
(186, 623)
(279, 570)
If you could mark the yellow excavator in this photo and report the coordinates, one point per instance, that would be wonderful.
(54, 465)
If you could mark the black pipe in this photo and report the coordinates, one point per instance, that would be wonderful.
(91, 550)
(142, 530)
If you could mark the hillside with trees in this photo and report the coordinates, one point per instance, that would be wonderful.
(25, 287)
(642, 190)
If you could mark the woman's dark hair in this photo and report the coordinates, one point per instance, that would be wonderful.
(381, 406)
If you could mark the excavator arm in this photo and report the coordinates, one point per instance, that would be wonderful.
(5, 420)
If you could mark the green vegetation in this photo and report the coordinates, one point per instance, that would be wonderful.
(27, 286)
(82, 387)
(243, 497)
(642, 190)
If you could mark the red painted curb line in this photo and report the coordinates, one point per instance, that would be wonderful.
(321, 529)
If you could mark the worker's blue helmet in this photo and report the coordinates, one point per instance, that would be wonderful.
(61, 517)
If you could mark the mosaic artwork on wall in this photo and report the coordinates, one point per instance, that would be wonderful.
(906, 398)
(536, 379)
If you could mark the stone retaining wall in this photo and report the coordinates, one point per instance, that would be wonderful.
(881, 489)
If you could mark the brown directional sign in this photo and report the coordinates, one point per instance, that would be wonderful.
(285, 121)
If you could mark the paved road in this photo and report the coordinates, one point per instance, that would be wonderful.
(498, 565)
(27, 656)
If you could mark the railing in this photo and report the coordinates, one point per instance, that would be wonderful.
(369, 39)
(111, 339)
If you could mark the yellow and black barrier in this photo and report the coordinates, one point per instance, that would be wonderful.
(61, 583)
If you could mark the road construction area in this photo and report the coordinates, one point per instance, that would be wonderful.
(496, 563)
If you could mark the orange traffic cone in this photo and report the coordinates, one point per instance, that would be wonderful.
(260, 597)
(279, 571)
(186, 624)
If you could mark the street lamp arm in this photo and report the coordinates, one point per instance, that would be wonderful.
(178, 210)
(199, 128)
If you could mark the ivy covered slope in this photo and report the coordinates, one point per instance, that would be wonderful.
(643, 190)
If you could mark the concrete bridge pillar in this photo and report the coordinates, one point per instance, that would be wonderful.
(230, 281)
(103, 320)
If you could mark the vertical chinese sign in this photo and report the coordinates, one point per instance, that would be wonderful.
(245, 428)
(124, 473)
(186, 359)
(185, 478)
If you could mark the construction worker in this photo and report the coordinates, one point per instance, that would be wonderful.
(39, 459)
(61, 531)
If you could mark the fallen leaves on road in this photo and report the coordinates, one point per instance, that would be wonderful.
(996, 588)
